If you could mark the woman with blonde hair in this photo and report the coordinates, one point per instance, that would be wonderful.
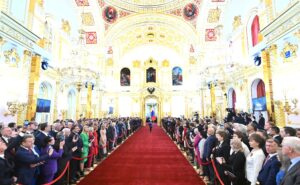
(235, 169)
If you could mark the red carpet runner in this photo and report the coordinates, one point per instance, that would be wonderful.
(145, 159)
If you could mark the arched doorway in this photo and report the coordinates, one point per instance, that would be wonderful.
(151, 110)
(231, 99)
(258, 95)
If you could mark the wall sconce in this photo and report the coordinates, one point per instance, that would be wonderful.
(288, 109)
(15, 107)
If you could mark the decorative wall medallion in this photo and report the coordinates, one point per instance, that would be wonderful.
(110, 14)
(190, 11)
(151, 90)
(289, 51)
(210, 35)
(91, 37)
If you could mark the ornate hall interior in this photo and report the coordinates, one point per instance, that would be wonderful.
(86, 59)
(91, 58)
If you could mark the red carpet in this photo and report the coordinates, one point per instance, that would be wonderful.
(145, 159)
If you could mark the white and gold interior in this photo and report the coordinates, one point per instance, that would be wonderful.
(86, 53)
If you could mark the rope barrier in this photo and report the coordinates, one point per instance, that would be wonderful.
(80, 159)
(216, 172)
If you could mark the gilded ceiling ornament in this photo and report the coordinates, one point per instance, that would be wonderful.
(192, 60)
(65, 26)
(289, 51)
(136, 64)
(214, 15)
(82, 2)
(176, 12)
(109, 62)
(165, 63)
(87, 19)
(123, 13)
(237, 21)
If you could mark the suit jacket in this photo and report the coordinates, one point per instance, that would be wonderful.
(223, 151)
(209, 144)
(39, 140)
(268, 172)
(236, 165)
(292, 176)
(50, 166)
(6, 172)
(24, 158)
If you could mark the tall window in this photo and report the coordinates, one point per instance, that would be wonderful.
(151, 75)
(125, 77)
(177, 76)
(255, 30)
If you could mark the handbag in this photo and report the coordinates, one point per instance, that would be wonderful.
(231, 176)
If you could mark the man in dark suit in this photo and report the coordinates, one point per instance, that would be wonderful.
(291, 148)
(40, 137)
(271, 166)
(27, 161)
(261, 122)
(6, 172)
(209, 144)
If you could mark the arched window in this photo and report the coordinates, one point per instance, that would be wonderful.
(177, 76)
(258, 95)
(125, 77)
(151, 75)
(261, 92)
(255, 29)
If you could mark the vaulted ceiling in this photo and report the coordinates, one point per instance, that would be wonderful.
(126, 24)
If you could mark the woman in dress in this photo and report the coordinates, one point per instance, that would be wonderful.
(255, 159)
(85, 150)
(103, 140)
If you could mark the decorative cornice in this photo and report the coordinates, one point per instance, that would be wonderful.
(283, 24)
(12, 30)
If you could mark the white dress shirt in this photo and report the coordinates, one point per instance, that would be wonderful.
(254, 162)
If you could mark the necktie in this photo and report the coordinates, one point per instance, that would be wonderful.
(268, 157)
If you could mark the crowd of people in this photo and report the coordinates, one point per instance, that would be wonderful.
(34, 154)
(239, 151)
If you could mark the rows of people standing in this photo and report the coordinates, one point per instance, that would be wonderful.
(34, 154)
(242, 153)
